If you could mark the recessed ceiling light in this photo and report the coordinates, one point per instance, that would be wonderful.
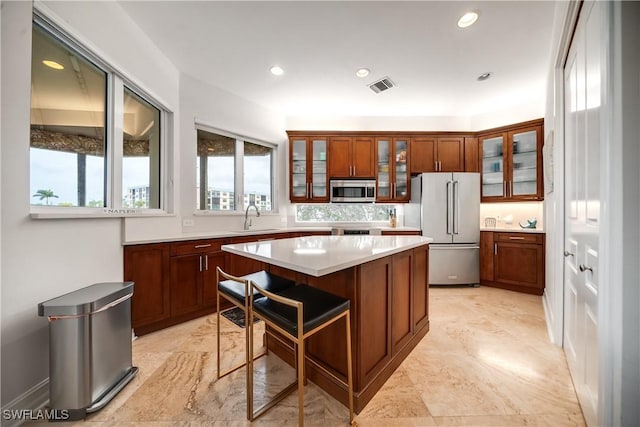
(484, 76)
(362, 72)
(53, 64)
(467, 20)
(276, 71)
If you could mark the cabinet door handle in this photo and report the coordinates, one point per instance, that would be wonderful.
(516, 238)
(354, 170)
(200, 257)
(202, 246)
(206, 262)
(495, 249)
(435, 165)
(584, 268)
(504, 188)
(567, 254)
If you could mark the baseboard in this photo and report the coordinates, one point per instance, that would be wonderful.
(26, 405)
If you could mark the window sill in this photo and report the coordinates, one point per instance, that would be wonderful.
(52, 212)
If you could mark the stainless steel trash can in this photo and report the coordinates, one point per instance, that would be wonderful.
(89, 347)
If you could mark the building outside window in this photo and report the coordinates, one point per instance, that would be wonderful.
(228, 166)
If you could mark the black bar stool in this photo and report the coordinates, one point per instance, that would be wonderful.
(297, 313)
(235, 289)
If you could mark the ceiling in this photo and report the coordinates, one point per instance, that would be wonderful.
(320, 45)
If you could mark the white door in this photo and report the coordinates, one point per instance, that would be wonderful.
(582, 116)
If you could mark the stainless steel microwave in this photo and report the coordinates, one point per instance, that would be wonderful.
(353, 190)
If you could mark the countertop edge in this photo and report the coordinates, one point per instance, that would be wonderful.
(513, 230)
(332, 269)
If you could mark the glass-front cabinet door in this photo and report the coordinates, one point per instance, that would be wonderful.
(524, 154)
(383, 169)
(308, 170)
(400, 190)
(493, 166)
(319, 169)
(299, 185)
(392, 170)
(512, 164)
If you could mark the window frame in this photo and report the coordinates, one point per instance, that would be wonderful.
(238, 182)
(116, 82)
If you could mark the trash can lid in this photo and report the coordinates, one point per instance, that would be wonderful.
(85, 300)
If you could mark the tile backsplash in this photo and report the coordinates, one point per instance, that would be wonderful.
(510, 215)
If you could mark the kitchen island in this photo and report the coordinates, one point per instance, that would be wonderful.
(386, 280)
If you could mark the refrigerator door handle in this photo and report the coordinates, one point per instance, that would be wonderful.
(449, 209)
(456, 208)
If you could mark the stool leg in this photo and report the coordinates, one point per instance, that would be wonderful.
(349, 367)
(300, 379)
(249, 359)
(217, 326)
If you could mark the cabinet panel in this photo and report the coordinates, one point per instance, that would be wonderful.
(362, 157)
(420, 287)
(450, 154)
(518, 264)
(375, 324)
(340, 157)
(423, 155)
(186, 284)
(486, 256)
(148, 267)
(401, 310)
(471, 163)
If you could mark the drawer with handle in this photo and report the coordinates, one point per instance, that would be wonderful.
(196, 246)
(518, 237)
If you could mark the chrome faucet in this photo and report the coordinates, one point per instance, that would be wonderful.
(247, 220)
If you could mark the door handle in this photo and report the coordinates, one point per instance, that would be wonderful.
(567, 254)
(206, 262)
(516, 238)
(354, 170)
(584, 268)
(200, 257)
(449, 209)
(456, 208)
(495, 249)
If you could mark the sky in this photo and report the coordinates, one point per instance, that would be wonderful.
(57, 171)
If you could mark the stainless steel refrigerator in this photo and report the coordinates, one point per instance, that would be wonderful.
(446, 207)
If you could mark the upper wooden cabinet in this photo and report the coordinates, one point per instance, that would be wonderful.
(435, 154)
(471, 160)
(512, 163)
(308, 169)
(392, 169)
(351, 157)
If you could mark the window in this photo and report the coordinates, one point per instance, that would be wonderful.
(77, 158)
(227, 166)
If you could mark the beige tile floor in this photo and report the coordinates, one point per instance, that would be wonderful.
(486, 361)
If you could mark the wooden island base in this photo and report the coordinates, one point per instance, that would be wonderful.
(390, 315)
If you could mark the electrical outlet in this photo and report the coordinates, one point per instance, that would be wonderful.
(187, 223)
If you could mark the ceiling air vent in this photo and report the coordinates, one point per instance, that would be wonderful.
(382, 85)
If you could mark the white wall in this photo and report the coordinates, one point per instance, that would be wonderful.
(221, 110)
(501, 117)
(42, 259)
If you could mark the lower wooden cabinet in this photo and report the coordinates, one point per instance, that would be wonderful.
(513, 261)
(148, 267)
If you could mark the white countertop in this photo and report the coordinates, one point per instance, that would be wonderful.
(320, 255)
(256, 232)
(513, 229)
